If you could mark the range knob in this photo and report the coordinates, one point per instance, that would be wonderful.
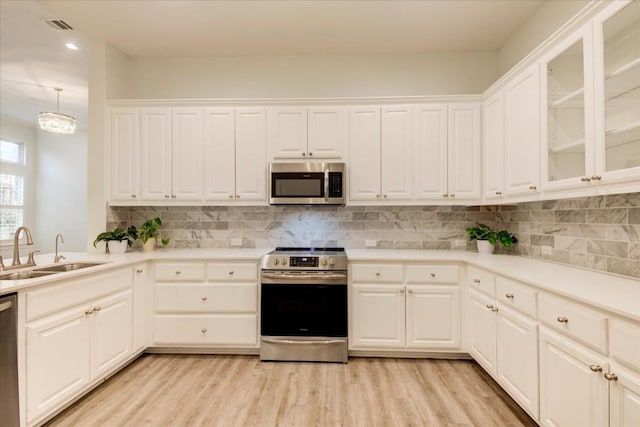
(284, 260)
(323, 261)
(332, 261)
(277, 261)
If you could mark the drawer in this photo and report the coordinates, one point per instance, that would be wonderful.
(209, 298)
(624, 342)
(372, 273)
(517, 295)
(179, 272)
(54, 298)
(230, 330)
(432, 274)
(237, 271)
(575, 320)
(482, 281)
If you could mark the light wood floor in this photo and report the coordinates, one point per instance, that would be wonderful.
(206, 390)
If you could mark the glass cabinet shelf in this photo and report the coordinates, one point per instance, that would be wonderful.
(573, 99)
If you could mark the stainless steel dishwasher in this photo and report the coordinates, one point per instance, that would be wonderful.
(9, 411)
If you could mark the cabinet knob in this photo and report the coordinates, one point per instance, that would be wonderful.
(595, 368)
(611, 377)
(311, 154)
(173, 196)
(237, 197)
(377, 196)
(231, 196)
(88, 311)
(510, 296)
(585, 179)
(402, 291)
(476, 281)
(499, 193)
(133, 196)
(494, 309)
(97, 308)
(452, 195)
(433, 274)
(304, 154)
(178, 272)
(532, 187)
(204, 298)
(562, 319)
(596, 177)
(445, 195)
(410, 291)
(385, 196)
(489, 306)
(204, 330)
(139, 270)
(166, 196)
(231, 272)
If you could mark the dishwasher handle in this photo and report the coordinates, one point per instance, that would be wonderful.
(4, 306)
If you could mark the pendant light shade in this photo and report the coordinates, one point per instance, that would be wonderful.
(57, 122)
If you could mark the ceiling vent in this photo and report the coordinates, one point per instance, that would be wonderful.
(59, 24)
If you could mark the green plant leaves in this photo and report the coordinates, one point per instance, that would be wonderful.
(484, 232)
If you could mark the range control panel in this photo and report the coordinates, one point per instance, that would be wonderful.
(304, 261)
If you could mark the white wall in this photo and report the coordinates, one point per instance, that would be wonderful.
(310, 76)
(118, 79)
(61, 190)
(544, 22)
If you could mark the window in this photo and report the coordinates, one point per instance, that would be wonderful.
(12, 187)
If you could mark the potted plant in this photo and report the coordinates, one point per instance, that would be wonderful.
(149, 234)
(486, 237)
(117, 240)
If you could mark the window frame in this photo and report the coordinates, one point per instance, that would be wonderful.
(22, 170)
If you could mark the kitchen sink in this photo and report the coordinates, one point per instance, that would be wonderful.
(20, 275)
(71, 266)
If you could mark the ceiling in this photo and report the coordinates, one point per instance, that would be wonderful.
(33, 59)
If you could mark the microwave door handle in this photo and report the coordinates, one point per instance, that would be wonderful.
(326, 185)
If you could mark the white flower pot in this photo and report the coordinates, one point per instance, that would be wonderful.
(116, 247)
(485, 247)
(149, 245)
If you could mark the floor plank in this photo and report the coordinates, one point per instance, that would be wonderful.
(211, 390)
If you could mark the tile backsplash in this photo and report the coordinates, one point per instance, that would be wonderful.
(600, 233)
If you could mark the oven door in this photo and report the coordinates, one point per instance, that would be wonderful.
(303, 310)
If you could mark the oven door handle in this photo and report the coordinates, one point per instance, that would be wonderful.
(304, 342)
(324, 276)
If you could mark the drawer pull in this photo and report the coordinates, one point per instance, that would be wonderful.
(489, 306)
(562, 319)
(611, 377)
(204, 330)
(204, 298)
(139, 270)
(377, 274)
(476, 281)
(433, 274)
(88, 311)
(595, 368)
(98, 308)
(510, 296)
(178, 272)
(494, 309)
(231, 272)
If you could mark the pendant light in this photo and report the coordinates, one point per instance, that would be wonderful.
(57, 122)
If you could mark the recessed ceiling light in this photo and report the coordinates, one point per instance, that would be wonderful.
(71, 46)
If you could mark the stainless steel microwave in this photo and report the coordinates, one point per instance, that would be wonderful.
(307, 183)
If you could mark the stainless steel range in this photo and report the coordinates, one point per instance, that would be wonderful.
(303, 305)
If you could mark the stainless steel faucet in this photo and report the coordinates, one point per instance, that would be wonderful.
(57, 257)
(16, 250)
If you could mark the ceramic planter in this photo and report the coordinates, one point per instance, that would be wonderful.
(149, 245)
(485, 247)
(116, 247)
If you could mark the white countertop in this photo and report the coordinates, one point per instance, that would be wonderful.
(617, 294)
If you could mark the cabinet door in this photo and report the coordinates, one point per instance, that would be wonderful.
(465, 180)
(625, 398)
(186, 154)
(617, 96)
(522, 133)
(327, 132)
(430, 153)
(219, 154)
(251, 155)
(364, 153)
(482, 331)
(155, 154)
(567, 131)
(493, 147)
(287, 132)
(125, 154)
(573, 391)
(111, 332)
(142, 296)
(433, 316)
(397, 152)
(517, 345)
(377, 316)
(57, 360)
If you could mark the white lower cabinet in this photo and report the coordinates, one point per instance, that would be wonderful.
(624, 397)
(391, 307)
(76, 333)
(572, 389)
(206, 304)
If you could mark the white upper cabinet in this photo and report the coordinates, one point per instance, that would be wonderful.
(311, 133)
(186, 154)
(364, 153)
(219, 151)
(125, 154)
(463, 147)
(155, 154)
(522, 133)
(251, 154)
(493, 146)
(616, 33)
(397, 152)
(447, 152)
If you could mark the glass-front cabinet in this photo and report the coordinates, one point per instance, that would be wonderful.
(591, 100)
